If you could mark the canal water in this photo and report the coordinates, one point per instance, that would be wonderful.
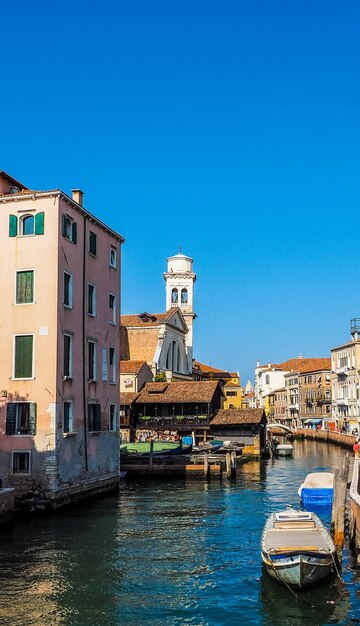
(170, 553)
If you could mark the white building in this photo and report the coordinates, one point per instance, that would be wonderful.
(345, 366)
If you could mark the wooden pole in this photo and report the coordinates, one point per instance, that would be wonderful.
(206, 466)
(233, 463)
(228, 465)
(339, 504)
(151, 455)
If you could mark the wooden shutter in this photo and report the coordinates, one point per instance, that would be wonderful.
(74, 232)
(63, 225)
(39, 223)
(13, 226)
(32, 419)
(92, 243)
(25, 287)
(97, 417)
(10, 418)
(23, 356)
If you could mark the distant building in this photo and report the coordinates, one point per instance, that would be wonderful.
(246, 427)
(170, 410)
(345, 361)
(59, 332)
(280, 405)
(165, 340)
(133, 376)
(305, 388)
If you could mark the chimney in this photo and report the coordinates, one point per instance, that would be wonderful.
(78, 196)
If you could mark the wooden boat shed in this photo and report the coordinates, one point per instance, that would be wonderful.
(246, 427)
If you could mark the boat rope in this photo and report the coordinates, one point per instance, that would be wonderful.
(336, 568)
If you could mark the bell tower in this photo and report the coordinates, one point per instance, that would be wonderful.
(180, 280)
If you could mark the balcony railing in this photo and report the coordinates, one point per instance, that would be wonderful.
(342, 371)
(173, 423)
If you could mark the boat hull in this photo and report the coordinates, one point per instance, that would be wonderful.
(299, 571)
(284, 451)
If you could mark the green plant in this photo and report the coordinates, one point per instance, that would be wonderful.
(180, 418)
(145, 417)
(160, 378)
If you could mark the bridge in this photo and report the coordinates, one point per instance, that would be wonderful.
(276, 425)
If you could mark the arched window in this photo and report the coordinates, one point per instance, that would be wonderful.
(267, 379)
(173, 357)
(27, 225)
(184, 296)
(174, 296)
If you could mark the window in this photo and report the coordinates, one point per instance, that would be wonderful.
(112, 417)
(21, 418)
(92, 243)
(68, 290)
(112, 307)
(67, 371)
(27, 225)
(267, 379)
(68, 416)
(104, 365)
(25, 287)
(94, 415)
(112, 260)
(23, 356)
(91, 360)
(231, 393)
(21, 462)
(91, 300)
(184, 296)
(112, 365)
(174, 296)
(69, 228)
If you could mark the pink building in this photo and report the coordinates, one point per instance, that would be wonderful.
(59, 334)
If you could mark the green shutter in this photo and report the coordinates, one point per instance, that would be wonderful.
(39, 223)
(74, 232)
(10, 418)
(92, 243)
(32, 419)
(23, 356)
(13, 225)
(25, 287)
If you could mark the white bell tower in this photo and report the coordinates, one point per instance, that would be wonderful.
(180, 280)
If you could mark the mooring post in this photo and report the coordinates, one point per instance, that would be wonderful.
(206, 466)
(151, 455)
(228, 465)
(233, 463)
(339, 505)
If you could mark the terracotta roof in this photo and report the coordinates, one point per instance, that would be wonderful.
(308, 364)
(131, 367)
(177, 392)
(150, 319)
(12, 180)
(127, 398)
(237, 416)
(207, 368)
(230, 383)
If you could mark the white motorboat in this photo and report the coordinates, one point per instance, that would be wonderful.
(296, 548)
(284, 449)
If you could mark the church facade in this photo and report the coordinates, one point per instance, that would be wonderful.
(165, 340)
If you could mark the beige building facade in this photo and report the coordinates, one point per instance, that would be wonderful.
(345, 361)
(59, 332)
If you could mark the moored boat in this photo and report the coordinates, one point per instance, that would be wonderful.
(160, 447)
(296, 548)
(317, 489)
(284, 449)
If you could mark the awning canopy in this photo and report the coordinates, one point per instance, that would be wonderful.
(313, 421)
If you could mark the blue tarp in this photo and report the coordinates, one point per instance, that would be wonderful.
(316, 497)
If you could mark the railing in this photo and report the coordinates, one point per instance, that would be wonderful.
(172, 422)
(342, 370)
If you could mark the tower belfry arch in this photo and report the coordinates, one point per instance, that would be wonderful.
(180, 280)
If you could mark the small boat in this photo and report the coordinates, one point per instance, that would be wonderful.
(296, 548)
(317, 489)
(284, 449)
(160, 448)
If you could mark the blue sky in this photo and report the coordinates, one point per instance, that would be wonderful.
(230, 128)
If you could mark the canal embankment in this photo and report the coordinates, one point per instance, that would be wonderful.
(327, 436)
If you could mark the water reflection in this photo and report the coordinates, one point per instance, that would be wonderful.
(167, 554)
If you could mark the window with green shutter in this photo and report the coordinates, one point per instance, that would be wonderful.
(25, 287)
(21, 418)
(23, 358)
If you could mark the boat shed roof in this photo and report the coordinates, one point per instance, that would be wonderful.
(233, 417)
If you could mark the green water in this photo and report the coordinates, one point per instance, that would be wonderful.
(165, 553)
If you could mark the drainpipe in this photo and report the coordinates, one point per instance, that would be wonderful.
(84, 349)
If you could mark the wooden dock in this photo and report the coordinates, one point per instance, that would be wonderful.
(204, 466)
